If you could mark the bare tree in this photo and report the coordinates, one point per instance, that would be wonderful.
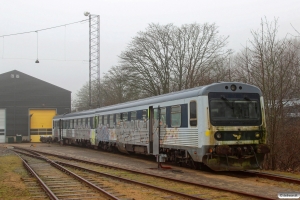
(116, 87)
(273, 65)
(81, 101)
(198, 55)
(167, 58)
(147, 60)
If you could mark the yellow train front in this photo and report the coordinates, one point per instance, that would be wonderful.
(236, 131)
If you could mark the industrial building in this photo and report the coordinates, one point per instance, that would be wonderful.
(27, 106)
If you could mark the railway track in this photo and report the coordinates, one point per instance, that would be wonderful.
(180, 189)
(275, 177)
(59, 182)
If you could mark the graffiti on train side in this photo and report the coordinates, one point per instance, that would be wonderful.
(133, 132)
(82, 131)
(103, 133)
(169, 136)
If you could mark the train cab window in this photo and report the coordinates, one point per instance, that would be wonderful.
(175, 116)
(145, 115)
(193, 113)
(133, 115)
(111, 121)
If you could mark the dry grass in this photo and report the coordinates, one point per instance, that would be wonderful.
(11, 174)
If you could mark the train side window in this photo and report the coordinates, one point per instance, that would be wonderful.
(118, 119)
(88, 122)
(175, 116)
(145, 115)
(111, 121)
(96, 121)
(91, 122)
(105, 120)
(133, 115)
(163, 115)
(83, 122)
(102, 120)
(193, 113)
(125, 116)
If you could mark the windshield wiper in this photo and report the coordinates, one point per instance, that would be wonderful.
(247, 99)
(226, 101)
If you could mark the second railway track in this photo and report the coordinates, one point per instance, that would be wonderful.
(179, 188)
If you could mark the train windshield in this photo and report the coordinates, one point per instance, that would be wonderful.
(234, 109)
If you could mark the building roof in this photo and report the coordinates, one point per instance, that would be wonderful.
(16, 72)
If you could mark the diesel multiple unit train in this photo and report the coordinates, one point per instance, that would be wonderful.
(221, 125)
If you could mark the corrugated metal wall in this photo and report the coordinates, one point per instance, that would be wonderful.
(20, 93)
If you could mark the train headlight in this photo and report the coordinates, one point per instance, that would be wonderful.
(257, 134)
(218, 135)
(233, 87)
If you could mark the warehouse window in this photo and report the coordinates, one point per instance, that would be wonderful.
(175, 116)
(193, 113)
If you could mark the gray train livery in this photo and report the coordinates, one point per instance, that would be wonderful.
(221, 125)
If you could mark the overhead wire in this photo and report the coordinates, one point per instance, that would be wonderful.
(44, 28)
(81, 21)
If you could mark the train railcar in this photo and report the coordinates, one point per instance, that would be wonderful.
(221, 125)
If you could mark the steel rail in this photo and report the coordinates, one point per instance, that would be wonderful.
(276, 177)
(130, 181)
(158, 176)
(48, 191)
(61, 168)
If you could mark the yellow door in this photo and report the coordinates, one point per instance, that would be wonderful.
(40, 123)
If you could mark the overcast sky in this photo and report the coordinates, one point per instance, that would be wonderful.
(63, 52)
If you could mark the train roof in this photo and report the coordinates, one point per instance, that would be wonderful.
(193, 92)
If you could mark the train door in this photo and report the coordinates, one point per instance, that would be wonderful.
(154, 130)
(60, 129)
(151, 122)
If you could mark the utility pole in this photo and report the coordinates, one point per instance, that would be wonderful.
(94, 59)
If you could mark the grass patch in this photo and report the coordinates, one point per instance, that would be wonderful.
(11, 174)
